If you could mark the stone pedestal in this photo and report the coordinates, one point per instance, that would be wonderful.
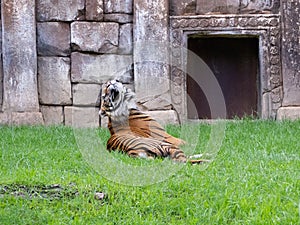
(20, 94)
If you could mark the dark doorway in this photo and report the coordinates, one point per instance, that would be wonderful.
(235, 64)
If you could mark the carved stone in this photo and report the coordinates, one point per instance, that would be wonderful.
(99, 68)
(60, 10)
(257, 6)
(95, 37)
(266, 27)
(237, 6)
(54, 81)
(53, 39)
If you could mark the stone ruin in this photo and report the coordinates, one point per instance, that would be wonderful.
(56, 54)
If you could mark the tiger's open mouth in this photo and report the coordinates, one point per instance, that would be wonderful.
(110, 93)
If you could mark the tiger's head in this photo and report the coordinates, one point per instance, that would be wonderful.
(116, 100)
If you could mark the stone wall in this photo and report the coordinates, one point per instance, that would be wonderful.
(56, 54)
(80, 47)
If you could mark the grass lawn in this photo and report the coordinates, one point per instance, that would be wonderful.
(254, 179)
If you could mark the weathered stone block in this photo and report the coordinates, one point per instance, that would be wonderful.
(26, 118)
(53, 39)
(118, 18)
(4, 118)
(19, 56)
(99, 68)
(155, 102)
(94, 10)
(86, 94)
(164, 117)
(21, 118)
(60, 10)
(290, 52)
(125, 41)
(54, 80)
(120, 6)
(53, 115)
(95, 36)
(289, 113)
(81, 117)
(151, 35)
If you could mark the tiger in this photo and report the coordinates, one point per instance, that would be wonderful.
(132, 131)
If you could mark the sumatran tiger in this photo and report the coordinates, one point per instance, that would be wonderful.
(134, 132)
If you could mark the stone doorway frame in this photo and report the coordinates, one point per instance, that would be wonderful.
(266, 27)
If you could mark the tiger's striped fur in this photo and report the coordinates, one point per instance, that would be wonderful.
(143, 137)
(132, 131)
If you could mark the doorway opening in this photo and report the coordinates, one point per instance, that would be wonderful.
(234, 62)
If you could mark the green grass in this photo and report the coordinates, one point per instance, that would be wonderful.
(254, 179)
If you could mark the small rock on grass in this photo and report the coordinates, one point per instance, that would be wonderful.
(99, 196)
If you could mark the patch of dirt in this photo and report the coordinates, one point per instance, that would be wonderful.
(53, 191)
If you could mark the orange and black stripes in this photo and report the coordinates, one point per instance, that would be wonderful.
(132, 131)
(144, 147)
(142, 136)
